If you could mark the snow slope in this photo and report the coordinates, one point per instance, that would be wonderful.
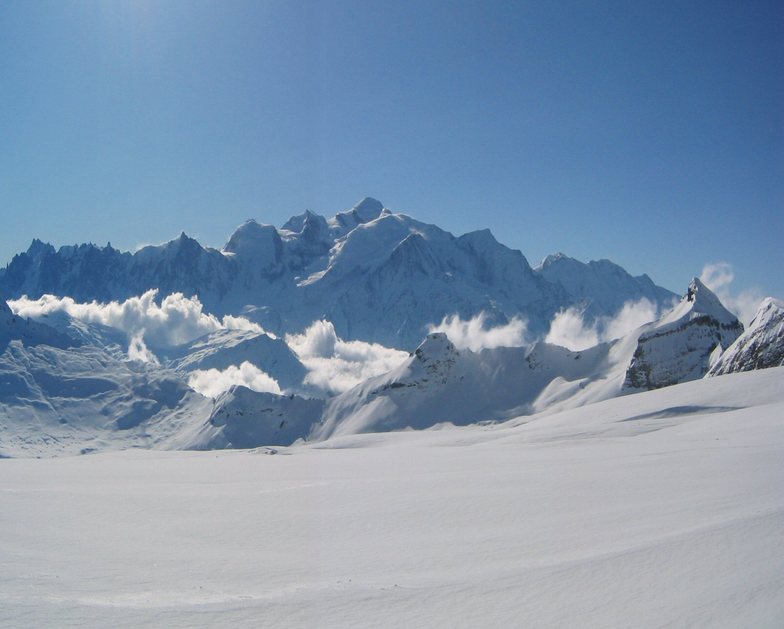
(438, 383)
(600, 286)
(241, 418)
(658, 509)
(441, 384)
(224, 348)
(760, 346)
(65, 401)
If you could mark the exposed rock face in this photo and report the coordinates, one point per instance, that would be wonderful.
(680, 346)
(759, 347)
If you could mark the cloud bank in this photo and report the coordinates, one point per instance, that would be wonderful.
(213, 382)
(176, 320)
(718, 276)
(474, 334)
(569, 329)
(335, 365)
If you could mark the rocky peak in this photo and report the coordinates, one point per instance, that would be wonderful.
(683, 345)
(436, 346)
(39, 248)
(700, 302)
(759, 347)
(250, 237)
(552, 259)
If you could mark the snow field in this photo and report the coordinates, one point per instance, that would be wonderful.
(652, 510)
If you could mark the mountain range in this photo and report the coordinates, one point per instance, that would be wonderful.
(376, 275)
(70, 385)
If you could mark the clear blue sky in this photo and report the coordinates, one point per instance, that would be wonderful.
(650, 133)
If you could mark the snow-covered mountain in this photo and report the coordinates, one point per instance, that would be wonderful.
(440, 383)
(70, 384)
(378, 276)
(601, 287)
(241, 418)
(225, 348)
(28, 332)
(66, 400)
(684, 344)
(73, 388)
(759, 347)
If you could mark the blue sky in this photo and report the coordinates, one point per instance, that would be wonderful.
(650, 133)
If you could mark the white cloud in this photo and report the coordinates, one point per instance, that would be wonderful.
(718, 276)
(213, 382)
(137, 349)
(231, 322)
(631, 316)
(176, 320)
(318, 341)
(568, 328)
(474, 334)
(335, 365)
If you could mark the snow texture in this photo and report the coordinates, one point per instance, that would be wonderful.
(658, 509)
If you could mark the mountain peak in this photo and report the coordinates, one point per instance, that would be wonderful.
(700, 300)
(38, 247)
(183, 239)
(761, 346)
(251, 237)
(299, 222)
(435, 347)
(695, 288)
(480, 238)
(552, 259)
(368, 208)
(767, 306)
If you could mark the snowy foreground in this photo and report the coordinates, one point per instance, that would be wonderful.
(658, 509)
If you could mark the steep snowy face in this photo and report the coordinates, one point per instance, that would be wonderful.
(225, 348)
(84, 272)
(388, 279)
(67, 400)
(761, 346)
(438, 383)
(257, 246)
(368, 209)
(30, 333)
(600, 286)
(682, 345)
(242, 418)
(434, 358)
